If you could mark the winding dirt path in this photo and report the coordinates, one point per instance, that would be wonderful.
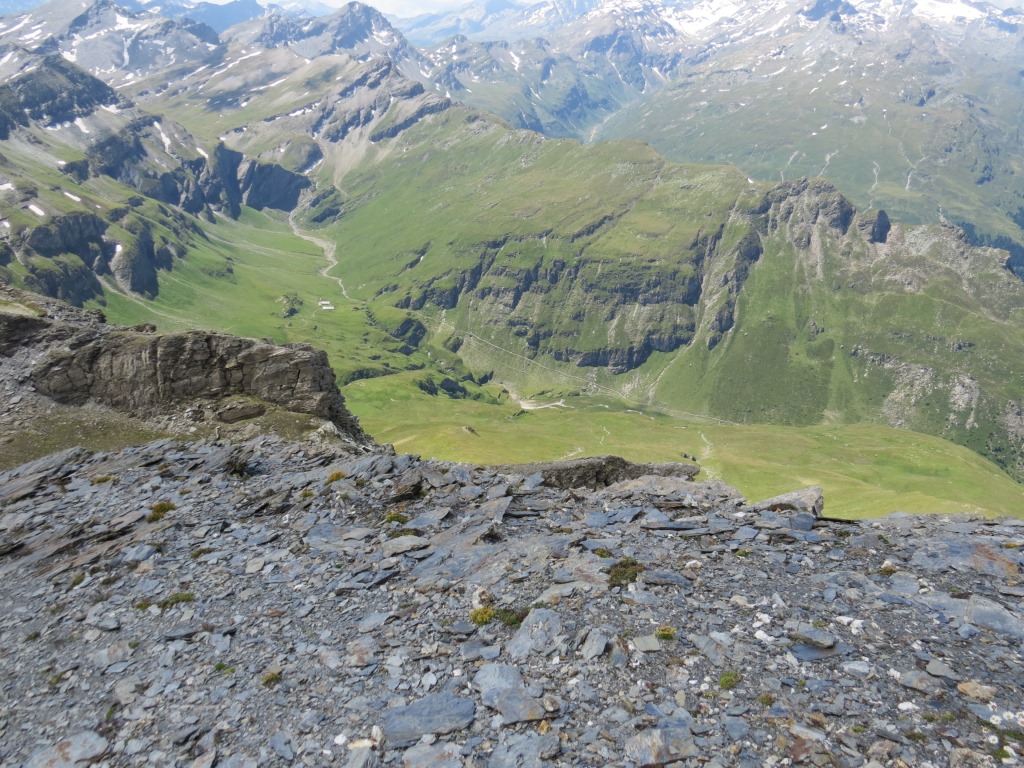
(330, 253)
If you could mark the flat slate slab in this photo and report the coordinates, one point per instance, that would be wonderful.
(436, 713)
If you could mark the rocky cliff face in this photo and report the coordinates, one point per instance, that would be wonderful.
(144, 374)
(639, 306)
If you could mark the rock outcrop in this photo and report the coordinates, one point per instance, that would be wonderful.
(53, 92)
(144, 374)
(600, 471)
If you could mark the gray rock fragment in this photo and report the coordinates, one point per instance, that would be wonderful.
(647, 643)
(402, 544)
(435, 713)
(808, 633)
(991, 615)
(658, 746)
(432, 756)
(539, 633)
(77, 750)
(595, 645)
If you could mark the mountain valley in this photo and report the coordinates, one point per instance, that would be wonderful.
(571, 383)
(473, 262)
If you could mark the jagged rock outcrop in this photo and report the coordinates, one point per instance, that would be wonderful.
(141, 374)
(599, 471)
(267, 185)
(77, 232)
(144, 374)
(875, 226)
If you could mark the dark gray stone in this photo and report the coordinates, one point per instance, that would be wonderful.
(437, 713)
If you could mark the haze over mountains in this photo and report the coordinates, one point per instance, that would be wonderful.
(473, 249)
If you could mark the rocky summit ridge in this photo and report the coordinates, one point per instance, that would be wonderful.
(267, 602)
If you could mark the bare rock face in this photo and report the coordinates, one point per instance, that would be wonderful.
(145, 374)
(141, 373)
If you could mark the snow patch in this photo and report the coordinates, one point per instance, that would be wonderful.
(123, 22)
(36, 209)
(80, 123)
(163, 136)
(76, 198)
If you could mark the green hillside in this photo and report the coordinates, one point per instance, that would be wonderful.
(683, 286)
(866, 470)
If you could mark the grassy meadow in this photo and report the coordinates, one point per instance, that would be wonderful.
(866, 470)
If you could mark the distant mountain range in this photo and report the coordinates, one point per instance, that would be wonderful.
(909, 106)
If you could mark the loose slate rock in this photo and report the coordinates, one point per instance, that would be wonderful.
(435, 713)
(403, 544)
(80, 749)
(991, 615)
(537, 634)
(501, 688)
(658, 746)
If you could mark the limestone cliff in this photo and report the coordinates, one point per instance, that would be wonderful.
(145, 374)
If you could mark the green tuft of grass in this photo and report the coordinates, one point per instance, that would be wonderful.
(624, 572)
(511, 617)
(482, 616)
(666, 632)
(398, 533)
(176, 599)
(335, 477)
(271, 679)
(729, 680)
(158, 510)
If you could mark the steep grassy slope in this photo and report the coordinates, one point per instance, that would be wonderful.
(605, 267)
